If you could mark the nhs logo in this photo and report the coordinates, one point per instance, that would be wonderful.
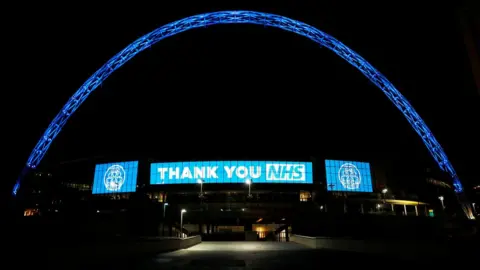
(285, 172)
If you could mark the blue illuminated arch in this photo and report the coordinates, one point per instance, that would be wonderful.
(241, 17)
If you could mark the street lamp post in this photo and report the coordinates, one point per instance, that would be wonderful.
(200, 181)
(164, 208)
(441, 198)
(163, 221)
(249, 183)
(181, 222)
(384, 192)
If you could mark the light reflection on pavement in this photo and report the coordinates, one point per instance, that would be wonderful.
(258, 255)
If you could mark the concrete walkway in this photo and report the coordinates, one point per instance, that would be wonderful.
(261, 255)
(245, 255)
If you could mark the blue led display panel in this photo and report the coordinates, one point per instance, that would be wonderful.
(231, 172)
(117, 177)
(350, 176)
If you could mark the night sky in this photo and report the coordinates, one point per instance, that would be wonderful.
(239, 91)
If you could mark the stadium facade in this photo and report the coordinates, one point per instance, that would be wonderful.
(209, 197)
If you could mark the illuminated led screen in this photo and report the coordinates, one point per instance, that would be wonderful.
(349, 176)
(117, 177)
(231, 172)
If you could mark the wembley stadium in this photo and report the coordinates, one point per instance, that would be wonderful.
(242, 199)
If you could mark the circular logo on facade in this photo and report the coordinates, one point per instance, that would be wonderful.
(349, 176)
(114, 178)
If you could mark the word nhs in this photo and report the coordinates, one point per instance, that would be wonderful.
(292, 172)
(273, 171)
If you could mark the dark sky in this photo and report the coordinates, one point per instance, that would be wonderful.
(240, 91)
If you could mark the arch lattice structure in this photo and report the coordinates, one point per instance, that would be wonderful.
(241, 17)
